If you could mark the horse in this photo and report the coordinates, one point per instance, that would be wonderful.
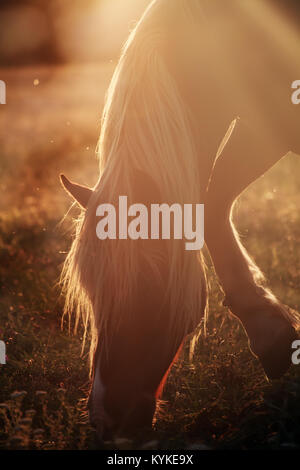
(189, 117)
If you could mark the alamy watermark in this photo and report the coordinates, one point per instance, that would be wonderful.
(2, 92)
(2, 352)
(160, 222)
(296, 354)
(296, 94)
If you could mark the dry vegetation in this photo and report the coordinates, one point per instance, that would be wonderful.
(219, 400)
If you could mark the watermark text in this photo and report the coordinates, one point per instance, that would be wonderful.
(2, 92)
(2, 352)
(296, 94)
(159, 219)
(296, 354)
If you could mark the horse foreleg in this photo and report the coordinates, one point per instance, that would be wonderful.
(266, 321)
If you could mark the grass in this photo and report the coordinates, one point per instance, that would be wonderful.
(221, 398)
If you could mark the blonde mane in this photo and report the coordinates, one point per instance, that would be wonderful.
(145, 127)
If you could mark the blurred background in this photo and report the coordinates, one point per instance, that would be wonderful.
(59, 31)
(56, 58)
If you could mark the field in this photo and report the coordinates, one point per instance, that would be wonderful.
(218, 400)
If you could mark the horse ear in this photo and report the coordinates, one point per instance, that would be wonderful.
(81, 194)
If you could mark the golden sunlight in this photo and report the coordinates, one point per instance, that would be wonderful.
(96, 30)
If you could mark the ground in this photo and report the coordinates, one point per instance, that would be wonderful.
(217, 399)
